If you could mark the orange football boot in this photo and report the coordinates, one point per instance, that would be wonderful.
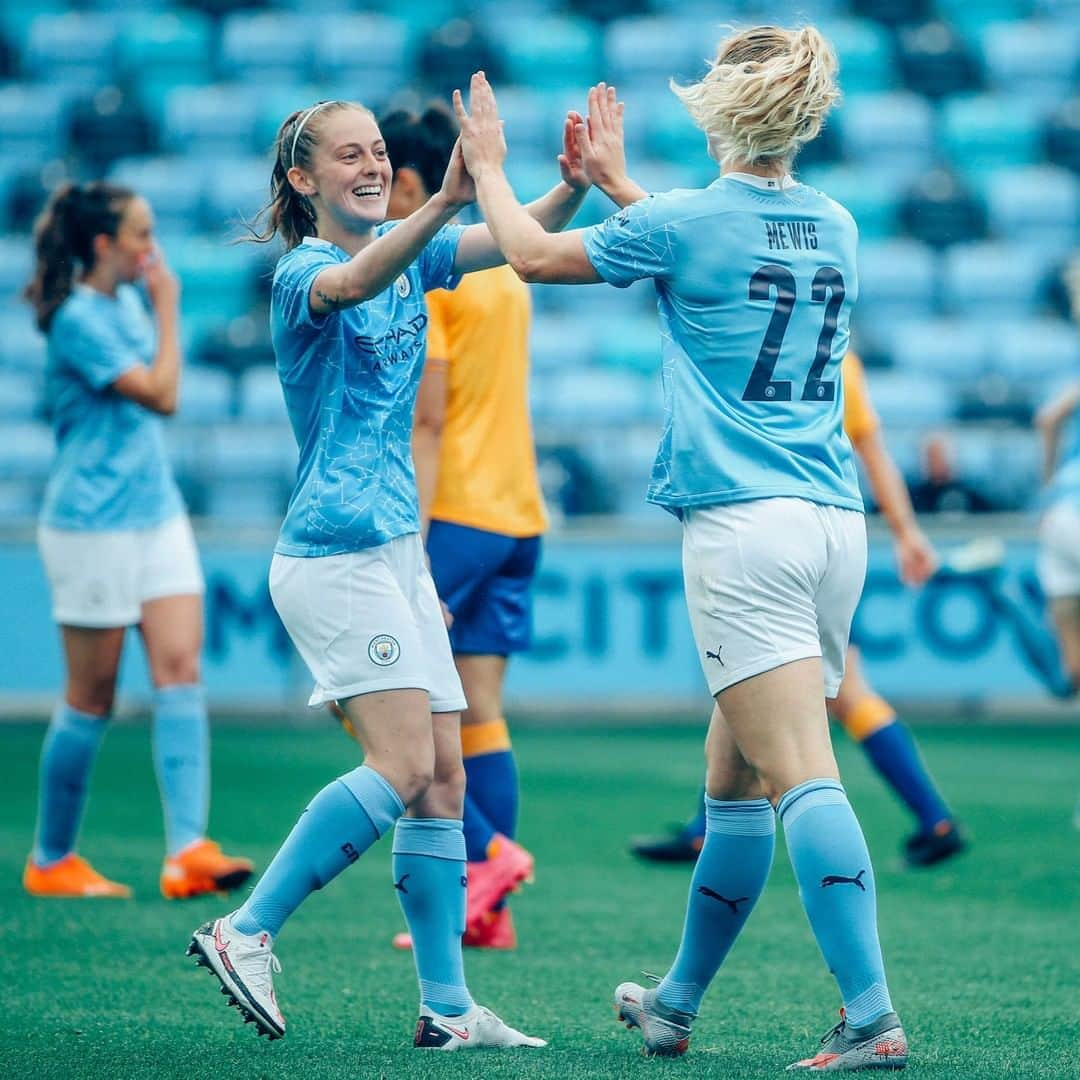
(203, 868)
(507, 867)
(496, 932)
(71, 877)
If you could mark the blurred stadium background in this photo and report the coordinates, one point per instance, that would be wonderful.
(957, 148)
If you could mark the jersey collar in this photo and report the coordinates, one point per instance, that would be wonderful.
(763, 183)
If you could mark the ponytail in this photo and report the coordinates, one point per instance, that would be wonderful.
(64, 241)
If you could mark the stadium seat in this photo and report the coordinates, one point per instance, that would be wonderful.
(172, 185)
(236, 190)
(892, 12)
(164, 50)
(988, 131)
(670, 134)
(889, 130)
(384, 43)
(989, 280)
(937, 61)
(971, 16)
(654, 49)
(1035, 205)
(20, 395)
(22, 345)
(249, 452)
(16, 265)
(632, 344)
(261, 398)
(940, 209)
(897, 281)
(213, 119)
(1062, 135)
(550, 52)
(20, 500)
(217, 280)
(903, 399)
(1034, 61)
(205, 395)
(945, 348)
(26, 451)
(1033, 353)
(593, 397)
(73, 49)
(533, 128)
(262, 47)
(865, 52)
(31, 120)
(108, 125)
(870, 195)
(555, 347)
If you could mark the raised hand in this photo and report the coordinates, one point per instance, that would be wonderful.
(601, 139)
(571, 164)
(482, 139)
(161, 283)
(457, 186)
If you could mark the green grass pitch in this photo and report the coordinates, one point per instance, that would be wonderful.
(981, 953)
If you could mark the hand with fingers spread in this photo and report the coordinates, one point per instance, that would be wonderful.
(481, 129)
(602, 151)
(457, 186)
(571, 161)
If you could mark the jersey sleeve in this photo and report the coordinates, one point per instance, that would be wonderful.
(436, 262)
(295, 275)
(438, 343)
(96, 350)
(637, 242)
(860, 419)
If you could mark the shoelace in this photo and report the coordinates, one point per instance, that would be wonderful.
(261, 974)
(837, 1029)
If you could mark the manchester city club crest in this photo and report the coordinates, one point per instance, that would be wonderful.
(383, 650)
(403, 287)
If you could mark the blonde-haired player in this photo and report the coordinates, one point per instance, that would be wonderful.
(755, 277)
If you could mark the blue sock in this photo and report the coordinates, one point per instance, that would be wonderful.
(429, 876)
(337, 827)
(694, 829)
(894, 754)
(836, 886)
(67, 757)
(477, 828)
(492, 783)
(182, 761)
(730, 874)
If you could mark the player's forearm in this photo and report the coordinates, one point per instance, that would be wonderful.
(555, 210)
(887, 485)
(519, 236)
(165, 367)
(374, 268)
(1051, 439)
(622, 191)
(426, 443)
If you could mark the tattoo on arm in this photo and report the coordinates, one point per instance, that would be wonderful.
(332, 302)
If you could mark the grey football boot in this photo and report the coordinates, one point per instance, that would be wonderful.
(665, 1031)
(881, 1044)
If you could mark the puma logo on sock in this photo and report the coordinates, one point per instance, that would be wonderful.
(733, 904)
(838, 879)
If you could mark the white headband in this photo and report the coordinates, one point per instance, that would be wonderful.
(300, 127)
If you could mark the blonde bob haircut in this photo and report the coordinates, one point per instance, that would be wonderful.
(766, 94)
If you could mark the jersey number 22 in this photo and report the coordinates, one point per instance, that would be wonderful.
(761, 385)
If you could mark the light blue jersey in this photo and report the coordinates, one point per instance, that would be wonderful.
(756, 280)
(350, 381)
(1064, 485)
(110, 471)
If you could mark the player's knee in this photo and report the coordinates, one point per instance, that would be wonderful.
(94, 695)
(180, 668)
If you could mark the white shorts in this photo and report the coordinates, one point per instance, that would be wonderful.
(771, 581)
(1059, 551)
(102, 579)
(366, 621)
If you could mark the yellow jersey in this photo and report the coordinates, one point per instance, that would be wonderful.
(487, 459)
(859, 416)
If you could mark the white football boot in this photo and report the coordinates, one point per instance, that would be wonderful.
(479, 1027)
(664, 1031)
(245, 968)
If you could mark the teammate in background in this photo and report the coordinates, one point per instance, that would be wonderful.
(755, 278)
(114, 536)
(348, 577)
(481, 513)
(863, 714)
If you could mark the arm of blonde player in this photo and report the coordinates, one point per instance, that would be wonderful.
(477, 249)
(427, 435)
(1050, 419)
(376, 266)
(534, 254)
(915, 556)
(156, 386)
(603, 148)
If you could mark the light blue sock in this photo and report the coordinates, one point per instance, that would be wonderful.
(429, 876)
(67, 757)
(730, 874)
(182, 762)
(836, 886)
(337, 827)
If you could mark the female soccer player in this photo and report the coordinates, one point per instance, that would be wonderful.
(867, 717)
(116, 542)
(348, 576)
(481, 511)
(755, 277)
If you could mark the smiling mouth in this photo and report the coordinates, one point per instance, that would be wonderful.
(368, 191)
